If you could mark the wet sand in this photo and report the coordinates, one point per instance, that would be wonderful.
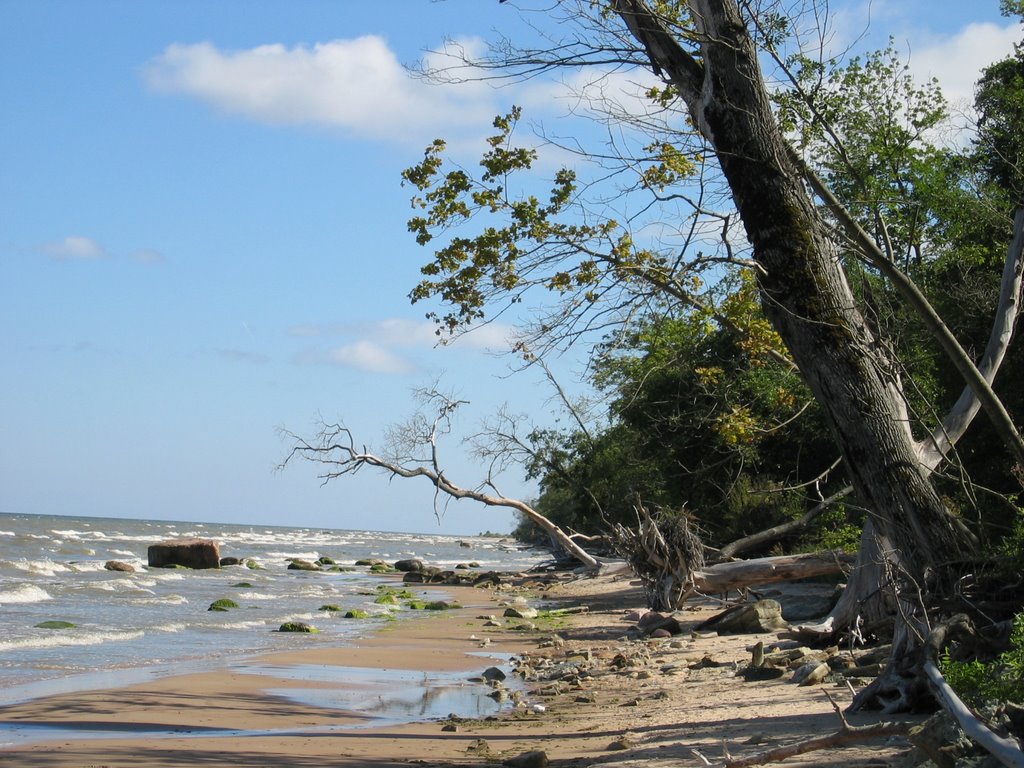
(384, 703)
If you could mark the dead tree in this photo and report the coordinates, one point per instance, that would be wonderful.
(667, 554)
(336, 451)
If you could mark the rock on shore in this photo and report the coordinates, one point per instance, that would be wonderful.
(189, 553)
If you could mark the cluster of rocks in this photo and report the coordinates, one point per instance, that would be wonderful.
(205, 553)
(788, 656)
(657, 646)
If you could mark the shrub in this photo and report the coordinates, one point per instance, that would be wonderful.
(999, 680)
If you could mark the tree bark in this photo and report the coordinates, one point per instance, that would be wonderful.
(866, 604)
(739, 574)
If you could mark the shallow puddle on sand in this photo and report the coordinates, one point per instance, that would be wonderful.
(373, 697)
(384, 696)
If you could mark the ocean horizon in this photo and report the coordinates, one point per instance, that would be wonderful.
(129, 627)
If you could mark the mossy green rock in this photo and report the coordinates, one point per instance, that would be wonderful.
(401, 594)
(387, 599)
(330, 607)
(381, 568)
(298, 626)
(356, 613)
(242, 585)
(325, 560)
(55, 625)
(435, 605)
(252, 565)
(224, 604)
(442, 605)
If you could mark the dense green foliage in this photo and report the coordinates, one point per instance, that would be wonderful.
(984, 682)
(701, 417)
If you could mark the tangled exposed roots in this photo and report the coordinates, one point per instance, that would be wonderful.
(664, 550)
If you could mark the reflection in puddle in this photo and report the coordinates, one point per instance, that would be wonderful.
(384, 696)
(374, 698)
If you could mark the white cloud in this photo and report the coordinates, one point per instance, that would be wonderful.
(357, 85)
(369, 356)
(73, 247)
(404, 333)
(389, 346)
(957, 60)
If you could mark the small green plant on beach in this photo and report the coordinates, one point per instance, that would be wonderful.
(224, 604)
(549, 620)
(999, 680)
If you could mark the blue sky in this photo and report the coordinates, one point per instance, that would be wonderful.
(202, 238)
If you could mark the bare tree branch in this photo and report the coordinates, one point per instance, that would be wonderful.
(335, 450)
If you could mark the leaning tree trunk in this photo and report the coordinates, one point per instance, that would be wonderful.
(806, 296)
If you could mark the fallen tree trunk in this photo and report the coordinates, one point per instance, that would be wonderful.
(740, 574)
(667, 554)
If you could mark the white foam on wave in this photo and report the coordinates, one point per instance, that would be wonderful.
(86, 566)
(36, 567)
(242, 624)
(24, 593)
(162, 600)
(70, 533)
(176, 627)
(67, 638)
(8, 533)
(308, 555)
(256, 596)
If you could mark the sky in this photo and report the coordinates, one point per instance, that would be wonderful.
(202, 241)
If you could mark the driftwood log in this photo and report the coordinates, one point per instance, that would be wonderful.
(1006, 750)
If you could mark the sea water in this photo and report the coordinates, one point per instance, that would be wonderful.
(156, 621)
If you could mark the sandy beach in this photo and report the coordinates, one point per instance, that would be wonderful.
(385, 703)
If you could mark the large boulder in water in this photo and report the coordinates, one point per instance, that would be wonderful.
(410, 565)
(189, 553)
